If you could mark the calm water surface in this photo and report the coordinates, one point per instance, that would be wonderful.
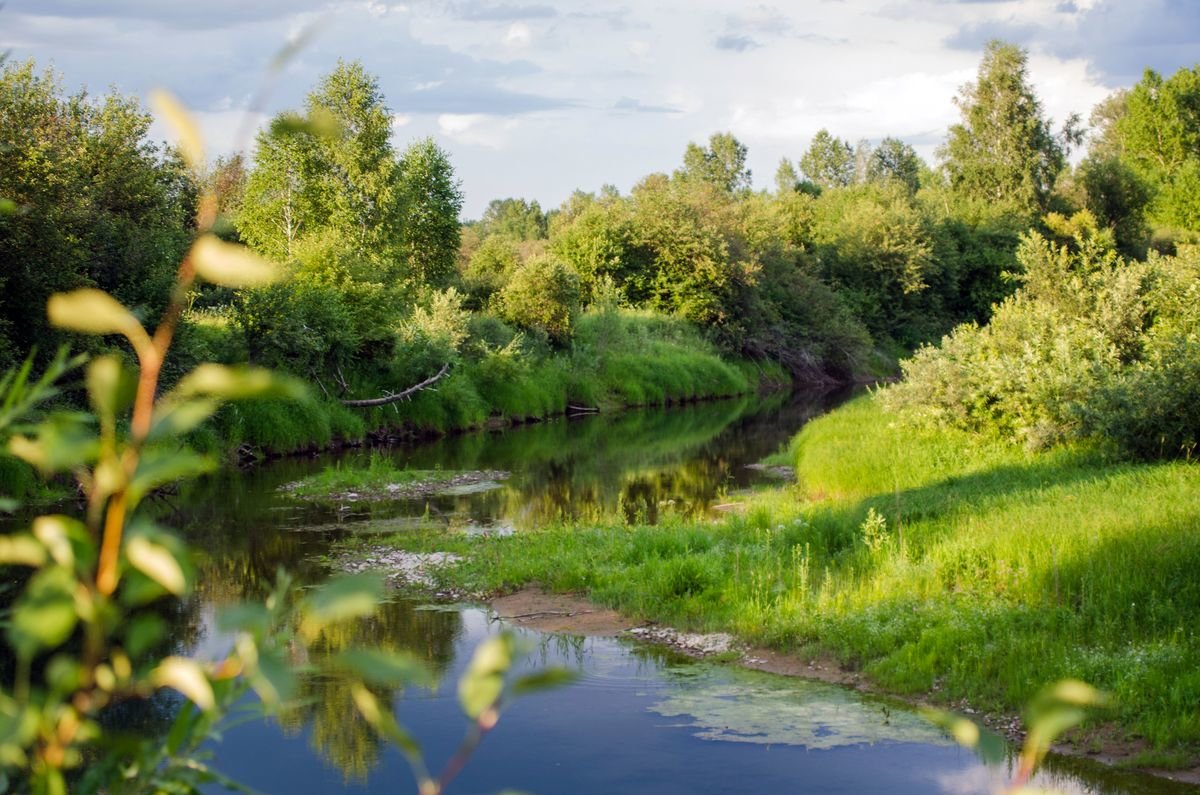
(637, 719)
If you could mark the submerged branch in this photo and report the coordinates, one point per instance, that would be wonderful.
(387, 399)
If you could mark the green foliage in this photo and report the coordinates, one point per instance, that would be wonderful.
(431, 200)
(95, 204)
(895, 160)
(722, 163)
(1089, 346)
(829, 161)
(1003, 153)
(332, 171)
(542, 294)
(515, 219)
(1000, 569)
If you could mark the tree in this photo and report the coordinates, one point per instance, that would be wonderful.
(514, 218)
(829, 161)
(91, 203)
(787, 179)
(1003, 153)
(895, 160)
(431, 201)
(331, 170)
(1156, 130)
(722, 163)
(542, 294)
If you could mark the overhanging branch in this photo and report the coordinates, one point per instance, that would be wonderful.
(388, 399)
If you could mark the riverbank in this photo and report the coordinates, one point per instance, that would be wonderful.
(634, 364)
(936, 564)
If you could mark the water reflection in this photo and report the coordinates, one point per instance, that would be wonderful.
(638, 719)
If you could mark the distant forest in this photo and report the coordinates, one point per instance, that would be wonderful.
(860, 254)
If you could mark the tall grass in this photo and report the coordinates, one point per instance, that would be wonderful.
(944, 564)
(618, 358)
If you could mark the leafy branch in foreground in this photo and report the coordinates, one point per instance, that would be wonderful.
(85, 632)
(1058, 708)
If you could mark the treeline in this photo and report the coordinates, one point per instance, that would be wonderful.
(860, 253)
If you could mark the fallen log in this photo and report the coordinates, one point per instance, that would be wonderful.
(389, 399)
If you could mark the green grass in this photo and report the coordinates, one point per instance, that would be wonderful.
(619, 359)
(944, 564)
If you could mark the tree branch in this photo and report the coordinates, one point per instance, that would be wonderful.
(388, 399)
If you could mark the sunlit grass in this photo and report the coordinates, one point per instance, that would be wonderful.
(990, 571)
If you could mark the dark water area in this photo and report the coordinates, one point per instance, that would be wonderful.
(637, 719)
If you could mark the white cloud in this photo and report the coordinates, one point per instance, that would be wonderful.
(537, 99)
(476, 129)
(519, 35)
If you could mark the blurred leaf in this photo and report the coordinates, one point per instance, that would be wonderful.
(107, 389)
(8, 505)
(288, 51)
(545, 679)
(157, 467)
(64, 673)
(65, 440)
(230, 265)
(385, 668)
(7, 207)
(483, 682)
(21, 550)
(156, 562)
(92, 311)
(187, 134)
(44, 616)
(186, 676)
(249, 617)
(382, 720)
(236, 383)
(140, 586)
(341, 598)
(319, 123)
(61, 535)
(274, 680)
(144, 632)
(991, 747)
(172, 420)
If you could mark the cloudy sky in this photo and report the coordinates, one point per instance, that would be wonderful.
(536, 98)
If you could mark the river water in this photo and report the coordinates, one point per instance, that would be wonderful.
(637, 719)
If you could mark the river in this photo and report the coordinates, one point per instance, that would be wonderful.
(638, 719)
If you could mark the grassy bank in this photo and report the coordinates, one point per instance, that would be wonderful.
(941, 563)
(618, 358)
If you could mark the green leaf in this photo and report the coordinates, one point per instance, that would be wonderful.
(230, 265)
(175, 419)
(483, 682)
(385, 668)
(991, 747)
(339, 599)
(44, 616)
(250, 617)
(157, 467)
(21, 549)
(8, 505)
(143, 632)
(64, 441)
(109, 386)
(274, 680)
(236, 383)
(156, 562)
(187, 677)
(92, 311)
(545, 679)
(382, 720)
